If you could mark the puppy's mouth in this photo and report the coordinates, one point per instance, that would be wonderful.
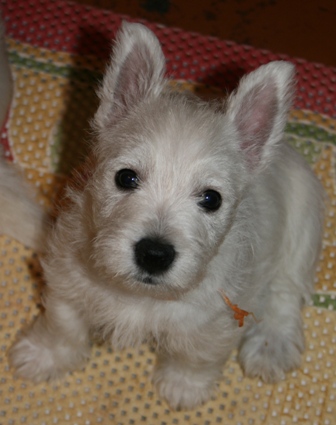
(155, 287)
(148, 280)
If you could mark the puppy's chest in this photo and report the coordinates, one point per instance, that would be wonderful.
(129, 322)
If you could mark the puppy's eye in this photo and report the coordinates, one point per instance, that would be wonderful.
(126, 179)
(211, 200)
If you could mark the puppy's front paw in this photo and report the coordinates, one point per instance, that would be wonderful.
(269, 355)
(39, 356)
(183, 388)
(32, 361)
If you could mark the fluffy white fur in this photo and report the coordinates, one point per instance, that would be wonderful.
(260, 247)
(21, 217)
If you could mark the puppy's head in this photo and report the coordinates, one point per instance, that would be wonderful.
(172, 170)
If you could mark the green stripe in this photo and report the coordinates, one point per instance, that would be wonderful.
(306, 131)
(69, 72)
(324, 301)
(309, 131)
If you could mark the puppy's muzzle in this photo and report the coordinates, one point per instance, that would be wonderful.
(154, 256)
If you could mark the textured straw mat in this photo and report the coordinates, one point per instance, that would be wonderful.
(57, 52)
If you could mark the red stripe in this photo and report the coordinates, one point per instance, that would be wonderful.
(74, 28)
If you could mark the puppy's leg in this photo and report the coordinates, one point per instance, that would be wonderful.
(274, 345)
(184, 382)
(56, 343)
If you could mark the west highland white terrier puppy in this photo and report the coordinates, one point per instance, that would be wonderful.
(192, 216)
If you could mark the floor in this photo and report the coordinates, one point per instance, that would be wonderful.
(304, 29)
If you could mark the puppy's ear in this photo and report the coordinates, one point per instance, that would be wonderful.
(134, 73)
(259, 109)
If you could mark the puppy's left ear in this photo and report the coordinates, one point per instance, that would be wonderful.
(135, 72)
(259, 109)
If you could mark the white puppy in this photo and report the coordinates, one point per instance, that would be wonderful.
(184, 199)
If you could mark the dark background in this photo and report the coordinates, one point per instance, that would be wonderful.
(300, 28)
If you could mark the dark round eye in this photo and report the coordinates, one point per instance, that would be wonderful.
(211, 200)
(126, 179)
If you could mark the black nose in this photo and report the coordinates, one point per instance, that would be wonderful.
(153, 255)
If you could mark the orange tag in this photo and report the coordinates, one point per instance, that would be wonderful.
(239, 314)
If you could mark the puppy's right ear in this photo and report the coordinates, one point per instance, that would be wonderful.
(135, 72)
